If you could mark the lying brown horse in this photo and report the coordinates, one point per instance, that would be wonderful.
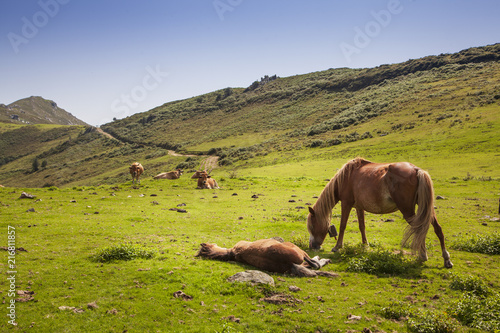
(270, 255)
(197, 174)
(136, 170)
(379, 189)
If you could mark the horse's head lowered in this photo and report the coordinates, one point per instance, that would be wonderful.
(318, 226)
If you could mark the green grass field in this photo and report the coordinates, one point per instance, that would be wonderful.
(280, 143)
(71, 224)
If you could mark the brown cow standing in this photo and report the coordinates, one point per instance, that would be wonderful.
(270, 255)
(136, 170)
(176, 174)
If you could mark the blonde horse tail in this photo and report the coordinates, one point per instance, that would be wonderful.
(418, 225)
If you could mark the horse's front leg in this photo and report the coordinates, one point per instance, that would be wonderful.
(346, 210)
(361, 222)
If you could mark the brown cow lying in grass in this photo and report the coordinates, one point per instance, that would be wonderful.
(176, 174)
(197, 174)
(136, 170)
(270, 255)
(205, 181)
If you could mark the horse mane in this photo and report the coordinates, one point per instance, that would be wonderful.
(330, 195)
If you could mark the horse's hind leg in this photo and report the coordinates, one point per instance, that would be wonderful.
(361, 222)
(439, 233)
(407, 208)
(299, 270)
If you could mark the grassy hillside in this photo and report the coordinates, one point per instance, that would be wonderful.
(37, 110)
(71, 155)
(435, 107)
(278, 143)
(72, 293)
(306, 106)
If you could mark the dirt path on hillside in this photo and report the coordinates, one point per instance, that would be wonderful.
(173, 153)
(209, 163)
(99, 130)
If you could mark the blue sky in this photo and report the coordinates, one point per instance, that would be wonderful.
(105, 59)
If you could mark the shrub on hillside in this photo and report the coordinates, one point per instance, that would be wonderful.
(317, 143)
(125, 251)
(487, 244)
(397, 311)
(420, 321)
(230, 155)
(35, 165)
(476, 312)
(381, 261)
(189, 163)
(333, 142)
(469, 283)
(432, 322)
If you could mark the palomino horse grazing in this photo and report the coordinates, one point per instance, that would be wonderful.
(270, 255)
(379, 189)
(136, 170)
(176, 174)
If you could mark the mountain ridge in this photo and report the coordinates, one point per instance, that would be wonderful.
(37, 110)
(447, 104)
(297, 104)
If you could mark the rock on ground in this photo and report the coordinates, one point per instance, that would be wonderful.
(252, 276)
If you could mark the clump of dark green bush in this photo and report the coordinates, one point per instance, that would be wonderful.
(487, 244)
(349, 250)
(125, 252)
(189, 163)
(477, 308)
(382, 262)
(469, 283)
(432, 322)
(397, 311)
(477, 312)
(420, 321)
(317, 143)
(352, 115)
(228, 156)
(333, 142)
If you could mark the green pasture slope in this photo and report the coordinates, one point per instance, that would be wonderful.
(277, 145)
(72, 223)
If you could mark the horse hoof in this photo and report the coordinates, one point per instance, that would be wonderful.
(448, 264)
(335, 249)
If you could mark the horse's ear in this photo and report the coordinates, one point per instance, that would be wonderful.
(311, 211)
